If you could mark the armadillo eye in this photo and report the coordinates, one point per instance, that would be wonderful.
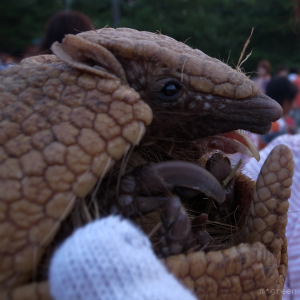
(167, 90)
(170, 91)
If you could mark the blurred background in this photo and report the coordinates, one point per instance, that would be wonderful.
(219, 28)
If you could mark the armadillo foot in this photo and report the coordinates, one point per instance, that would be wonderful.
(257, 265)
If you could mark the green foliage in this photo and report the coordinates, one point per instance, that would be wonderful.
(23, 20)
(219, 28)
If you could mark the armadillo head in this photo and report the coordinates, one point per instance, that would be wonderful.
(191, 95)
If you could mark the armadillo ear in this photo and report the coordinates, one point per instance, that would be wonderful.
(89, 57)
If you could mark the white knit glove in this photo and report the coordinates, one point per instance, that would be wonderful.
(111, 259)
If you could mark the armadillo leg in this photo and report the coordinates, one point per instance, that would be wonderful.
(267, 218)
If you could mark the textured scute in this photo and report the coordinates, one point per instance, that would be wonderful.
(204, 74)
(61, 130)
(234, 273)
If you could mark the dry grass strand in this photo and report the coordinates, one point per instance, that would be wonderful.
(241, 61)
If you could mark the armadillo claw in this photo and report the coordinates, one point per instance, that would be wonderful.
(148, 187)
(176, 227)
(191, 176)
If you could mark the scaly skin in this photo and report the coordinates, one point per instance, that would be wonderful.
(57, 140)
(66, 119)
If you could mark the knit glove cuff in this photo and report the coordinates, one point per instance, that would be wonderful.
(111, 259)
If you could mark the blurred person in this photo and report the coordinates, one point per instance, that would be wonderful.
(264, 74)
(282, 71)
(284, 92)
(295, 112)
(62, 23)
(293, 74)
(5, 61)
